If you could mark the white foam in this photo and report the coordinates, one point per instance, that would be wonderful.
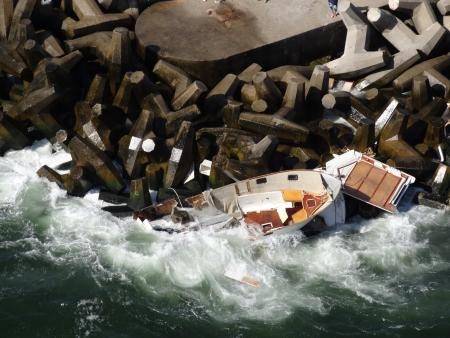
(192, 265)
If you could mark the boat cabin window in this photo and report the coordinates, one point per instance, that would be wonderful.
(261, 180)
(293, 177)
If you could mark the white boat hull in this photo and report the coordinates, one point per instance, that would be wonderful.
(262, 200)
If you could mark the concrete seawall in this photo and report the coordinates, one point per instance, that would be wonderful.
(210, 40)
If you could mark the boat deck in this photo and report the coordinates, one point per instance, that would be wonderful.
(369, 180)
(372, 184)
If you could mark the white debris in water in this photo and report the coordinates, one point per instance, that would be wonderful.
(239, 274)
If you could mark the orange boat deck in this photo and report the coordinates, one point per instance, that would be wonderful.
(304, 206)
(372, 184)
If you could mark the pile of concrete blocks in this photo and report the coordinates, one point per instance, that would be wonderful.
(69, 72)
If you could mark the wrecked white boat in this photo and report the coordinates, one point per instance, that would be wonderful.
(287, 201)
(277, 203)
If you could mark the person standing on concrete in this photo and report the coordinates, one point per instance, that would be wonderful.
(333, 7)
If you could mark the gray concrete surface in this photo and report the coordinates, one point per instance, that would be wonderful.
(208, 40)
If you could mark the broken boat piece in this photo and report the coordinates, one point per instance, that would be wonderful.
(242, 278)
(369, 180)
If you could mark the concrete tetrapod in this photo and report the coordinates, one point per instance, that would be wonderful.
(189, 96)
(97, 44)
(134, 143)
(248, 94)
(10, 136)
(99, 135)
(97, 90)
(421, 93)
(175, 77)
(444, 7)
(124, 96)
(33, 53)
(24, 31)
(356, 60)
(405, 5)
(6, 14)
(50, 43)
(139, 194)
(336, 100)
(439, 83)
(175, 119)
(400, 36)
(423, 17)
(247, 74)
(231, 113)
(182, 156)
(421, 127)
(275, 125)
(35, 103)
(446, 22)
(119, 57)
(130, 7)
(267, 89)
(318, 85)
(392, 145)
(92, 19)
(400, 62)
(364, 136)
(294, 95)
(23, 10)
(85, 153)
(404, 81)
(12, 63)
(225, 89)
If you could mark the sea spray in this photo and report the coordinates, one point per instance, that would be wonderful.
(376, 263)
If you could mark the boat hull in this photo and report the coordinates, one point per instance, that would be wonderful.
(281, 202)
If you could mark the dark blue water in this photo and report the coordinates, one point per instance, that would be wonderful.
(69, 270)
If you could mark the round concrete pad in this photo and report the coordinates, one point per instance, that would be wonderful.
(196, 30)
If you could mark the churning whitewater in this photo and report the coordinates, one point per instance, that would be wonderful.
(383, 271)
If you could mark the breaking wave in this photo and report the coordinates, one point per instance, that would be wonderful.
(363, 262)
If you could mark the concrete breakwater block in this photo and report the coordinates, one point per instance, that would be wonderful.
(209, 40)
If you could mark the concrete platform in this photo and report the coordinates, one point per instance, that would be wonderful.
(209, 40)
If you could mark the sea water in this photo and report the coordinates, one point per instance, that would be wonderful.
(69, 269)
